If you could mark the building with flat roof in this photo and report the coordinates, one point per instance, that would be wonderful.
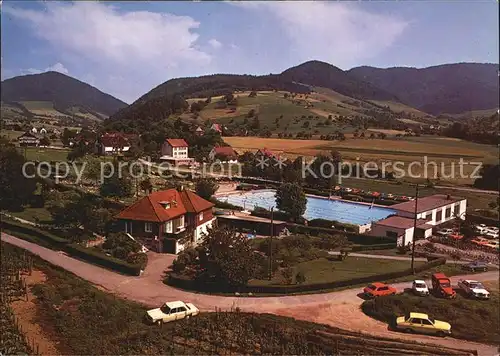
(431, 212)
(436, 209)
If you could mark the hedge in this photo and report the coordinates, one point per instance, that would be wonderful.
(183, 282)
(49, 238)
(388, 246)
(52, 241)
(329, 223)
(96, 257)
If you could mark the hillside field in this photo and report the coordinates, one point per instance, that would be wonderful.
(307, 113)
(440, 150)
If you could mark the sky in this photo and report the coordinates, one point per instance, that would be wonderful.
(128, 48)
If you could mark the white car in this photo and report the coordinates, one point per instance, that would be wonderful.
(474, 289)
(480, 228)
(419, 287)
(445, 232)
(171, 311)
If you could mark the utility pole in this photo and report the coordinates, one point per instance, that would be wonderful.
(414, 230)
(271, 246)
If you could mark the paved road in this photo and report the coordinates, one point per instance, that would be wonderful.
(340, 309)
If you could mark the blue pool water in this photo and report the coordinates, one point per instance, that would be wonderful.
(317, 208)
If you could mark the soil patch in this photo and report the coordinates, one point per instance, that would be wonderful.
(26, 314)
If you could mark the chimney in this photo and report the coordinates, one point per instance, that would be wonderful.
(448, 197)
(180, 188)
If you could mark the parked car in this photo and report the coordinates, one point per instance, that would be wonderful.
(441, 286)
(378, 289)
(171, 311)
(480, 228)
(473, 289)
(476, 266)
(421, 323)
(419, 287)
(491, 234)
(445, 232)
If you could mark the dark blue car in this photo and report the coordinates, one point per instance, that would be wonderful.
(476, 266)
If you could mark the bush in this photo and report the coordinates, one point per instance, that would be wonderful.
(101, 259)
(225, 205)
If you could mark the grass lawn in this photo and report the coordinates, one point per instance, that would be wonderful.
(328, 270)
(44, 154)
(32, 214)
(470, 319)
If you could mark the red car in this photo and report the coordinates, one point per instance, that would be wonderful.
(378, 289)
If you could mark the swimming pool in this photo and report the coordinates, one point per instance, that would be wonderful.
(317, 208)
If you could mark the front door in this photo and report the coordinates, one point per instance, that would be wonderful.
(169, 245)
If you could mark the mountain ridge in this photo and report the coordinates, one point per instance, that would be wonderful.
(65, 92)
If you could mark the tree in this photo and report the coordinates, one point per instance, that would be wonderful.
(118, 185)
(92, 169)
(206, 187)
(146, 186)
(225, 257)
(490, 175)
(290, 198)
(15, 187)
(44, 141)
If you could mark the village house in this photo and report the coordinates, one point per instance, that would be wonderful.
(217, 128)
(28, 139)
(264, 152)
(175, 151)
(113, 143)
(168, 221)
(199, 131)
(225, 154)
(431, 212)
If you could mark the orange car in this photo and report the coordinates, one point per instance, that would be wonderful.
(378, 289)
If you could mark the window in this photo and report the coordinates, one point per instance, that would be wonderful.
(439, 215)
(201, 216)
(181, 221)
(168, 226)
(416, 321)
(181, 309)
(148, 227)
(447, 213)
(426, 322)
(173, 310)
(457, 210)
(391, 234)
(383, 288)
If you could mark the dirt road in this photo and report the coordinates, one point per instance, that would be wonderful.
(339, 309)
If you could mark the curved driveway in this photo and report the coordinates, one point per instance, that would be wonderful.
(340, 309)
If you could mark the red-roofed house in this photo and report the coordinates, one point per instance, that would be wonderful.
(175, 151)
(217, 128)
(265, 152)
(169, 220)
(225, 154)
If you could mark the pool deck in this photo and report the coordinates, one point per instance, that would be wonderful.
(243, 192)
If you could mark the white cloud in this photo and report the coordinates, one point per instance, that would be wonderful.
(336, 32)
(214, 43)
(58, 67)
(145, 48)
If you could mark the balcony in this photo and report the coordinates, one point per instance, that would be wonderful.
(179, 229)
